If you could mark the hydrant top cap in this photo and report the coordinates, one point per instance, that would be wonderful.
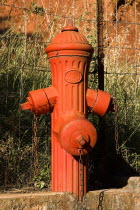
(69, 34)
(69, 27)
(69, 39)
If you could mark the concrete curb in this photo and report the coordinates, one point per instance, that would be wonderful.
(127, 198)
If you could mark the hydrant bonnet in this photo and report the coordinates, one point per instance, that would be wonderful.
(69, 40)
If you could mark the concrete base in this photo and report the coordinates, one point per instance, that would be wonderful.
(127, 198)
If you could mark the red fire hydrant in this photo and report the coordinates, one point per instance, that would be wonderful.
(73, 136)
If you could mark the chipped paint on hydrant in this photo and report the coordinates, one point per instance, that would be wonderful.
(72, 135)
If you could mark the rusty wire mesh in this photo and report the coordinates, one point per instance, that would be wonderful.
(112, 27)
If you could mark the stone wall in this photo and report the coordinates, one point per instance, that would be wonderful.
(127, 198)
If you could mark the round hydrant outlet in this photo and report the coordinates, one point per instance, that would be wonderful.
(77, 133)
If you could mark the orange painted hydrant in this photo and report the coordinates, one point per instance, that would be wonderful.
(73, 136)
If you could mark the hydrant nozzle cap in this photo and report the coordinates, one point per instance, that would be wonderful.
(25, 106)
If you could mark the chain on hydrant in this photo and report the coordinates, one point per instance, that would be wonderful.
(81, 176)
(35, 146)
(116, 126)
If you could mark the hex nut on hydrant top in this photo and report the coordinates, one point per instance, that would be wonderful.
(68, 99)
